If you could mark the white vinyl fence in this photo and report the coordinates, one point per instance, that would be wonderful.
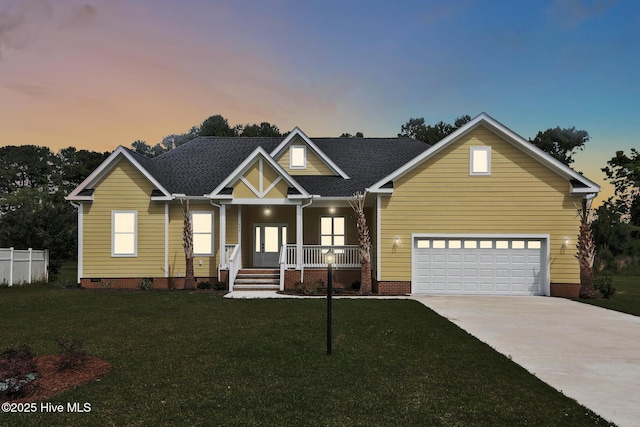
(23, 266)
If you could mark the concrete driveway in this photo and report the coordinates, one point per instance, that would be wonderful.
(588, 353)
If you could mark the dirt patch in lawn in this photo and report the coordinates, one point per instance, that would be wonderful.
(52, 381)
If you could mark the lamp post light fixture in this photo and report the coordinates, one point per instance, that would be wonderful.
(330, 259)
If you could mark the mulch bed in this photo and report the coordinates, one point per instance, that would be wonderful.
(52, 381)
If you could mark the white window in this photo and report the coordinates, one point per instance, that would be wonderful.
(480, 161)
(124, 233)
(533, 244)
(202, 226)
(455, 244)
(439, 244)
(298, 157)
(486, 244)
(470, 244)
(423, 244)
(502, 244)
(517, 244)
(332, 230)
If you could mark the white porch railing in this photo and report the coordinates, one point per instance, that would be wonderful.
(346, 256)
(234, 260)
(226, 255)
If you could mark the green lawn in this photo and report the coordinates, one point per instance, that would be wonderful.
(198, 359)
(627, 297)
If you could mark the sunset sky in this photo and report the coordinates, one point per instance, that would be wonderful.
(96, 74)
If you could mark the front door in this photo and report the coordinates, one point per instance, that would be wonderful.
(267, 241)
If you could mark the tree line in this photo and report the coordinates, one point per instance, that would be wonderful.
(34, 181)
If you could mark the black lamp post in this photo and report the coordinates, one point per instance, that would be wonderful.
(329, 258)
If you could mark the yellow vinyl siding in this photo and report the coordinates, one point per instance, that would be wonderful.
(315, 166)
(123, 189)
(242, 191)
(521, 196)
(278, 192)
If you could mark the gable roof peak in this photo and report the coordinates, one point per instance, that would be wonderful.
(326, 159)
(505, 133)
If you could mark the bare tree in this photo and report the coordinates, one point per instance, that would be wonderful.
(187, 244)
(364, 242)
(586, 251)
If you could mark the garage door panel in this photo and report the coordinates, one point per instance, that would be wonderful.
(502, 259)
(438, 258)
(501, 273)
(439, 272)
(486, 273)
(518, 259)
(470, 258)
(502, 266)
(470, 272)
(486, 259)
(454, 258)
(423, 258)
(455, 272)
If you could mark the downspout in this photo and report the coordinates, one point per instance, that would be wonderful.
(78, 207)
(222, 248)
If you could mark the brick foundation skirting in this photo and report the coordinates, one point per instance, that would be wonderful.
(565, 290)
(393, 288)
(134, 282)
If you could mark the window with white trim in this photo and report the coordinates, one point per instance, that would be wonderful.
(202, 227)
(480, 161)
(298, 157)
(332, 230)
(124, 233)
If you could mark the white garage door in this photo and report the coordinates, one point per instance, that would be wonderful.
(479, 265)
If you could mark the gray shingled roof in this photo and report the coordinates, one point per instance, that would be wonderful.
(199, 166)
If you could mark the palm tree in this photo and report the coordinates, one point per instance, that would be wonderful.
(586, 251)
(364, 242)
(187, 244)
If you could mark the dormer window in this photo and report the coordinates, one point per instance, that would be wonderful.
(298, 157)
(480, 161)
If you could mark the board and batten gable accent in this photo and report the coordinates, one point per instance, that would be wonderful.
(124, 188)
(260, 181)
(314, 165)
(521, 196)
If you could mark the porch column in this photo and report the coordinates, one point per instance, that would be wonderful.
(299, 237)
(223, 237)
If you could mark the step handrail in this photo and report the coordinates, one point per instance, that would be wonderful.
(234, 265)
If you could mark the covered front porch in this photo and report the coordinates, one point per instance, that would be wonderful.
(285, 244)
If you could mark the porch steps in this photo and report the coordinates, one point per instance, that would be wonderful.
(257, 280)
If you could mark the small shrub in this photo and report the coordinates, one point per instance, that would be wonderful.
(72, 353)
(146, 284)
(355, 285)
(604, 284)
(18, 370)
(218, 286)
(66, 284)
(306, 288)
(204, 285)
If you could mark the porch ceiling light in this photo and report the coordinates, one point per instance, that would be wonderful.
(267, 210)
